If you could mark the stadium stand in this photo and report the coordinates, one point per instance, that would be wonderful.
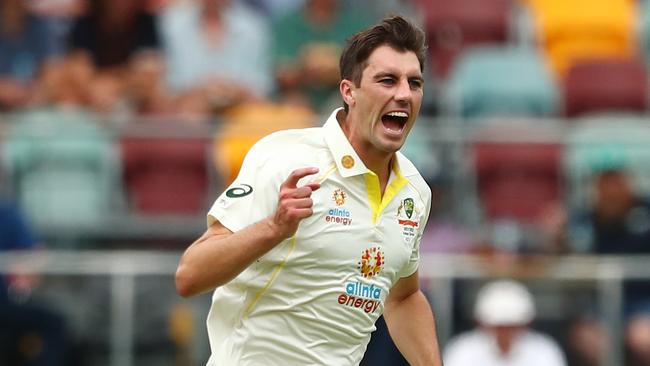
(61, 166)
(518, 169)
(501, 81)
(454, 25)
(166, 168)
(568, 31)
(605, 85)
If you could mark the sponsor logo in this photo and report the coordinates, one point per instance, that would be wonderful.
(339, 197)
(240, 191)
(372, 260)
(361, 296)
(339, 216)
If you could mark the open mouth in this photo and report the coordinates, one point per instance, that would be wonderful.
(395, 121)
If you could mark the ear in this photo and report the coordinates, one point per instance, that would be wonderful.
(347, 89)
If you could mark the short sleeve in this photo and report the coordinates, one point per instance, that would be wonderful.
(252, 196)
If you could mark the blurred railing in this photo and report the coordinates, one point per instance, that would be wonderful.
(438, 272)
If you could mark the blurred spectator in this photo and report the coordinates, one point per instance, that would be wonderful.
(218, 54)
(59, 15)
(146, 87)
(618, 219)
(114, 31)
(114, 45)
(307, 46)
(29, 333)
(66, 82)
(381, 9)
(504, 311)
(275, 9)
(617, 222)
(25, 44)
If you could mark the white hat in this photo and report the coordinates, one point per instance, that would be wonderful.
(504, 302)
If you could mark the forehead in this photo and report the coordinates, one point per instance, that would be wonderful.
(386, 59)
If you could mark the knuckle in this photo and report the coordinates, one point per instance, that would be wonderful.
(284, 205)
(285, 194)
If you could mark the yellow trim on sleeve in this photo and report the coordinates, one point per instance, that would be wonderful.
(282, 264)
(275, 274)
(375, 199)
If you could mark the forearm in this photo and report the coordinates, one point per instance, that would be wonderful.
(412, 328)
(214, 260)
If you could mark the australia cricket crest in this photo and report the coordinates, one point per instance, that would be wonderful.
(407, 220)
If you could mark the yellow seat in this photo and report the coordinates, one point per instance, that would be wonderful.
(570, 31)
(243, 126)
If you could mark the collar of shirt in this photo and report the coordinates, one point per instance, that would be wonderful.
(340, 147)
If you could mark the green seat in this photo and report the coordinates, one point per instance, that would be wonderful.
(61, 168)
(498, 81)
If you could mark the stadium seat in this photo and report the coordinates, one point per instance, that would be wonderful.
(61, 167)
(501, 81)
(243, 126)
(606, 141)
(518, 168)
(166, 168)
(606, 85)
(569, 31)
(454, 25)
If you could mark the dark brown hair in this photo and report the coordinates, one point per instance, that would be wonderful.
(394, 31)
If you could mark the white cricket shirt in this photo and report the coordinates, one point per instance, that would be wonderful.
(314, 298)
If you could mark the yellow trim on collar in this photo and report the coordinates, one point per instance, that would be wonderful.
(375, 199)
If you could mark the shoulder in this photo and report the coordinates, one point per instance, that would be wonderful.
(289, 146)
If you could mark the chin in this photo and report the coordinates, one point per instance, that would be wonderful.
(391, 148)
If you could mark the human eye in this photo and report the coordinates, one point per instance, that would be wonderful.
(387, 81)
(415, 83)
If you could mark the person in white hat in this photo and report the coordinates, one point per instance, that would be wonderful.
(504, 311)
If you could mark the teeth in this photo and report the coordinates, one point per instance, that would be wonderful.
(398, 114)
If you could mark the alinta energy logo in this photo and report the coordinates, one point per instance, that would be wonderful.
(339, 215)
(362, 295)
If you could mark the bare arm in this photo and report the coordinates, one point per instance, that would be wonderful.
(219, 255)
(411, 324)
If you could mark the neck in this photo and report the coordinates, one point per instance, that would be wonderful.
(380, 162)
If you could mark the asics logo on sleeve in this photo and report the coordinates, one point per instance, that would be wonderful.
(241, 191)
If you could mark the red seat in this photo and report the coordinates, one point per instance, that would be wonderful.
(452, 25)
(605, 85)
(166, 174)
(517, 177)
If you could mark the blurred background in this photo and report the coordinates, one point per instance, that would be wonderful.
(122, 120)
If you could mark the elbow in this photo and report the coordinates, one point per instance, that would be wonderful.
(185, 286)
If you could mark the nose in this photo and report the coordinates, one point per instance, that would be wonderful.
(403, 91)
